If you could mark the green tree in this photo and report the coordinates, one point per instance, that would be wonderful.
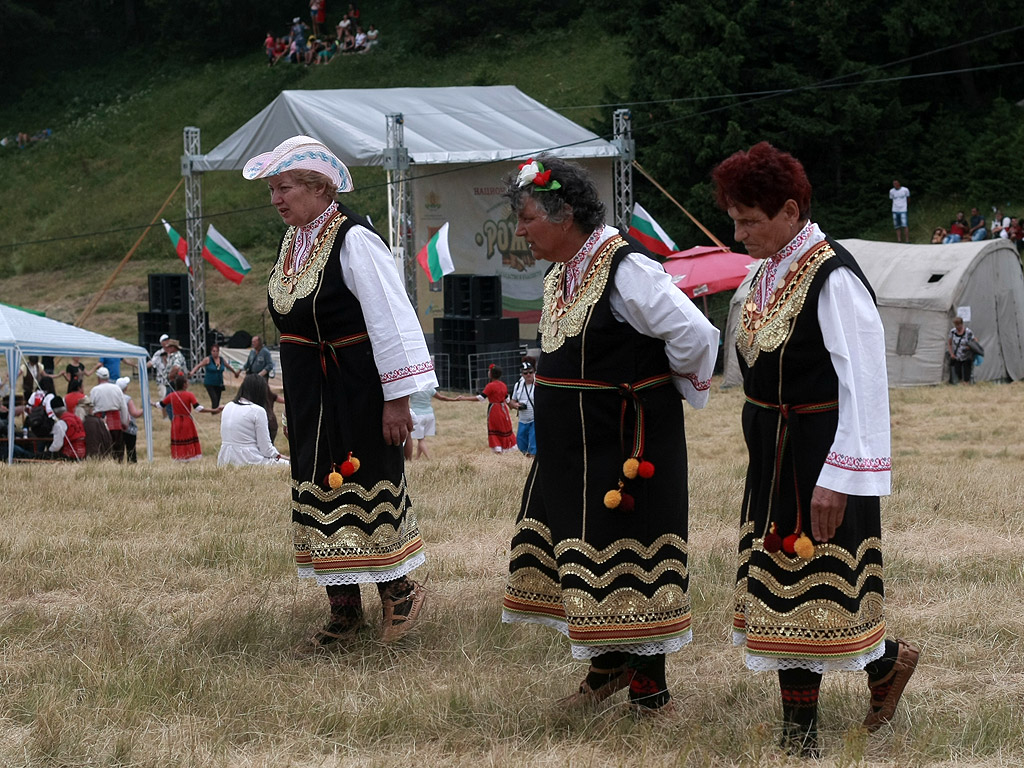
(712, 77)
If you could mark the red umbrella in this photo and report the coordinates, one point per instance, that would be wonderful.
(708, 269)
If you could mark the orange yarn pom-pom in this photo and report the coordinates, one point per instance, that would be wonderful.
(804, 547)
(335, 480)
(645, 470)
(629, 468)
(612, 499)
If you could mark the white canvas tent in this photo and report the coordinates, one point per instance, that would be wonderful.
(473, 124)
(22, 333)
(920, 289)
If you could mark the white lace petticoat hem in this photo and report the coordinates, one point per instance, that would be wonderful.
(363, 577)
(584, 652)
(820, 666)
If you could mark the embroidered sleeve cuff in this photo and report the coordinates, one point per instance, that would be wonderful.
(857, 476)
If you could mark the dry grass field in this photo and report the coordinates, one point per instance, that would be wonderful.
(151, 613)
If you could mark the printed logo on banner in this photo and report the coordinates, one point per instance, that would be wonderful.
(433, 201)
(499, 238)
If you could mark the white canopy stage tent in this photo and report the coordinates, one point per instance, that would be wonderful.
(468, 136)
(919, 290)
(22, 333)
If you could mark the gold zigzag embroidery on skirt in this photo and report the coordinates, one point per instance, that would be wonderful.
(648, 577)
(625, 606)
(814, 617)
(814, 580)
(332, 494)
(354, 510)
(601, 555)
(530, 549)
(530, 524)
(385, 537)
(794, 564)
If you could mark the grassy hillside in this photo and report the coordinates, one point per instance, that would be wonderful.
(72, 206)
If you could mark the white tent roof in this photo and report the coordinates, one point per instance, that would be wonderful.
(919, 289)
(35, 335)
(22, 333)
(473, 124)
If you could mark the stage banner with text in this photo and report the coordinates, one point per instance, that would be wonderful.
(481, 234)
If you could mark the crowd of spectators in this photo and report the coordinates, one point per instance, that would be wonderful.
(22, 139)
(316, 45)
(977, 228)
(102, 421)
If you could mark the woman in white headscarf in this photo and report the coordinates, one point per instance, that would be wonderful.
(351, 354)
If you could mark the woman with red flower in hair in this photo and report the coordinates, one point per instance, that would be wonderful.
(816, 422)
(599, 550)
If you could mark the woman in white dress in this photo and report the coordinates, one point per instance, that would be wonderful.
(244, 431)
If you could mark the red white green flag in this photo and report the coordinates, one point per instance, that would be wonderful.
(644, 228)
(179, 243)
(224, 257)
(435, 257)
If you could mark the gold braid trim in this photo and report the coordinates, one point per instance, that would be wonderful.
(764, 330)
(558, 323)
(287, 288)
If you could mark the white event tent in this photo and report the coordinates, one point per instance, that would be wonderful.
(22, 333)
(464, 124)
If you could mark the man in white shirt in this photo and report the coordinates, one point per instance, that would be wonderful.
(109, 404)
(899, 195)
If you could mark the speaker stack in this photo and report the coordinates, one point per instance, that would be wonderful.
(473, 334)
(168, 312)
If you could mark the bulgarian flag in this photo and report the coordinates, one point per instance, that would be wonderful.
(644, 228)
(224, 256)
(179, 243)
(435, 257)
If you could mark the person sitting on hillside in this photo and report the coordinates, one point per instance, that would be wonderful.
(345, 25)
(1015, 232)
(957, 230)
(999, 225)
(977, 229)
(68, 433)
(939, 235)
(360, 41)
(372, 37)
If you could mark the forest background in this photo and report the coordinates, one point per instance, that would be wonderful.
(925, 92)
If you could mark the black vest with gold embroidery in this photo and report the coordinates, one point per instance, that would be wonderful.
(806, 367)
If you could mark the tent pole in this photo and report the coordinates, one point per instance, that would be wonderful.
(703, 229)
(110, 280)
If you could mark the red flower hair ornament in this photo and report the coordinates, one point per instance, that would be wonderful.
(533, 175)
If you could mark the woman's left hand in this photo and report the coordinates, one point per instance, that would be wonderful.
(397, 421)
(827, 510)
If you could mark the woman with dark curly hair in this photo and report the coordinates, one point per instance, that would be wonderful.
(816, 422)
(599, 551)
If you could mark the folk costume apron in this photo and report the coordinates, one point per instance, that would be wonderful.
(824, 612)
(364, 530)
(609, 579)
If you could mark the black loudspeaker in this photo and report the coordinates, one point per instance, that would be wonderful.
(168, 293)
(471, 344)
(153, 325)
(472, 296)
